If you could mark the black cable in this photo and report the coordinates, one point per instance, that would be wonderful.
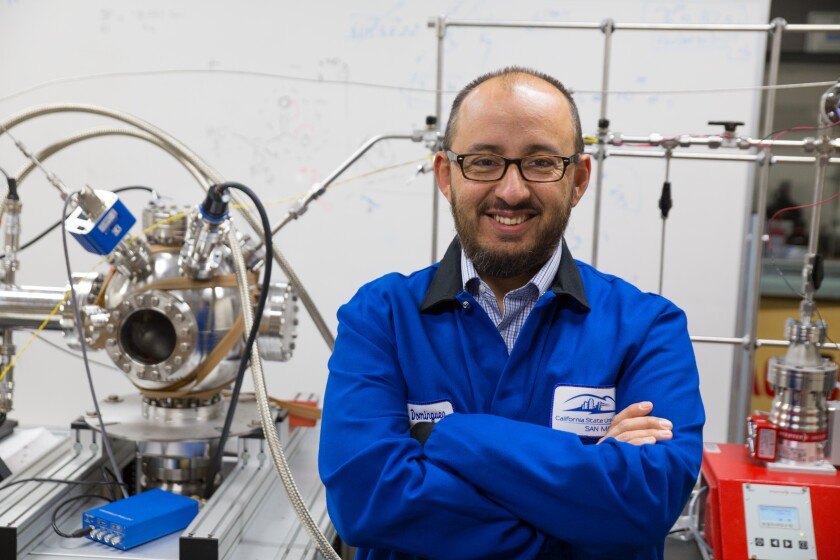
(36, 239)
(216, 464)
(779, 271)
(61, 481)
(817, 310)
(84, 531)
(106, 441)
(49, 230)
(106, 472)
(133, 188)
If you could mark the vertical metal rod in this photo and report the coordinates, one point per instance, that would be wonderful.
(662, 256)
(11, 244)
(808, 288)
(440, 28)
(819, 188)
(664, 220)
(742, 385)
(607, 27)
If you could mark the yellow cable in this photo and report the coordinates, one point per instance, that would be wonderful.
(178, 217)
(348, 180)
(383, 169)
(34, 336)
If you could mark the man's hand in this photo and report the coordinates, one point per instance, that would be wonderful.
(633, 425)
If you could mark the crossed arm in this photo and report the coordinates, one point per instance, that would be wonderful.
(631, 425)
(484, 486)
(634, 426)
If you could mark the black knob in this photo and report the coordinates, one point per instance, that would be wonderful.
(728, 126)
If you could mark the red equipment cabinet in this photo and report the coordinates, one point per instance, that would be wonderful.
(727, 468)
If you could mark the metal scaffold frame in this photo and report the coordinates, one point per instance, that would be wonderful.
(747, 318)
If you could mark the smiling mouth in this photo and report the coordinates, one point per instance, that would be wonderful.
(510, 221)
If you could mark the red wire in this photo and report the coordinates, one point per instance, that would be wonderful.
(820, 203)
(783, 210)
(795, 128)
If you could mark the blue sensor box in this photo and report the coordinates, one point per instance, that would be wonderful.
(139, 519)
(102, 236)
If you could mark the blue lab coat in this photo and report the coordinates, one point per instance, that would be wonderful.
(510, 470)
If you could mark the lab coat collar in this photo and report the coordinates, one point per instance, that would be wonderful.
(447, 282)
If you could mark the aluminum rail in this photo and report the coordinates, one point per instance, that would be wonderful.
(758, 27)
(607, 27)
(740, 400)
(272, 437)
(753, 158)
(685, 141)
(758, 343)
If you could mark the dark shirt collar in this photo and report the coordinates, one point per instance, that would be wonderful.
(447, 282)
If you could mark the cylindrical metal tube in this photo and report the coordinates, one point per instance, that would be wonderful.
(759, 27)
(607, 27)
(440, 27)
(11, 240)
(7, 374)
(742, 382)
(28, 307)
(201, 253)
(278, 328)
(734, 27)
(819, 186)
(712, 156)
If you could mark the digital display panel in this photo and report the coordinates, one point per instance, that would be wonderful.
(778, 517)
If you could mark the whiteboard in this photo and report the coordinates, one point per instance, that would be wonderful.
(277, 94)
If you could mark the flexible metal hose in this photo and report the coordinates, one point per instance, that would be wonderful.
(182, 153)
(53, 149)
(174, 146)
(269, 428)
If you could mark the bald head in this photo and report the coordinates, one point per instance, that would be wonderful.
(509, 78)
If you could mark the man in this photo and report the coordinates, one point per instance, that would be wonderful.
(470, 408)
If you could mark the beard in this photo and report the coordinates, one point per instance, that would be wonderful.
(498, 262)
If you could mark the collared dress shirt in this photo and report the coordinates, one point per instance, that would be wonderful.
(518, 303)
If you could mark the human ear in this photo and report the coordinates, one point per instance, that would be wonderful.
(443, 175)
(580, 178)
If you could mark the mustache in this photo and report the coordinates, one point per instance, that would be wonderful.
(484, 207)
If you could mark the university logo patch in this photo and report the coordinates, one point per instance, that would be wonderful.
(581, 410)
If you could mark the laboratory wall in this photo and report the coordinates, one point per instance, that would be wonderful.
(276, 95)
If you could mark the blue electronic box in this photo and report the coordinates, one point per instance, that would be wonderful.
(139, 519)
(100, 236)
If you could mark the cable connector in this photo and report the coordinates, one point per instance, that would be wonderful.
(83, 532)
(202, 254)
(215, 205)
(13, 194)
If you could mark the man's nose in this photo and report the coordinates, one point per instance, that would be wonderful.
(512, 187)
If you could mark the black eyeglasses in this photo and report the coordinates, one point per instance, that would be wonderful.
(490, 167)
